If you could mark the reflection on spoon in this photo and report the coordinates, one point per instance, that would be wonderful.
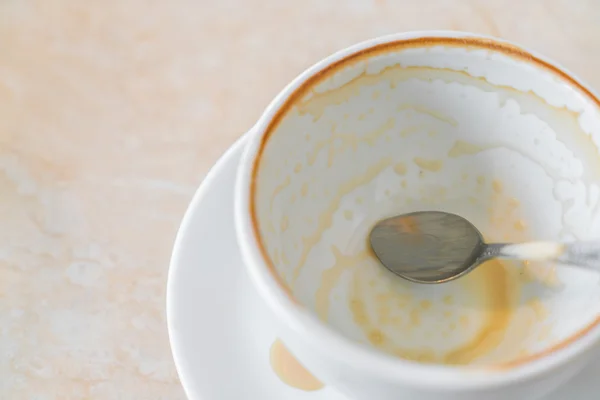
(290, 371)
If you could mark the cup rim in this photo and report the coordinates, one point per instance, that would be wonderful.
(319, 335)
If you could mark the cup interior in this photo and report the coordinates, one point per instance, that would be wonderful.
(473, 127)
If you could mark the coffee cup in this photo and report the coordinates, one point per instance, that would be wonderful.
(426, 121)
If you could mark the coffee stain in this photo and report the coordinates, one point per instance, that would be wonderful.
(499, 307)
(462, 148)
(497, 186)
(400, 168)
(538, 308)
(425, 304)
(290, 371)
(429, 165)
(513, 203)
(284, 258)
(347, 141)
(325, 219)
(285, 223)
(409, 131)
(415, 318)
(278, 189)
(304, 189)
(372, 137)
(376, 337)
(427, 111)
(331, 276)
(560, 119)
(493, 295)
(270, 227)
(520, 225)
(315, 102)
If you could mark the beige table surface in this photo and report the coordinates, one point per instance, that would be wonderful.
(111, 113)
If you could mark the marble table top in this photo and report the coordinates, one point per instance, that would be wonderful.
(111, 113)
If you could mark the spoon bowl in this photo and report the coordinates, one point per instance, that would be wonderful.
(427, 246)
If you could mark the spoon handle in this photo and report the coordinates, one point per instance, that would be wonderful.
(582, 254)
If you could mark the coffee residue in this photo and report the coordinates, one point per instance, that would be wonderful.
(290, 371)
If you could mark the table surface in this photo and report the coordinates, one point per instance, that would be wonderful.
(111, 113)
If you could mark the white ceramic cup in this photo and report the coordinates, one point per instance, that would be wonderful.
(423, 121)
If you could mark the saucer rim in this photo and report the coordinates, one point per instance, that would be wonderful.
(202, 191)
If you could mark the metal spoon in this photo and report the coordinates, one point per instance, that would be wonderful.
(436, 247)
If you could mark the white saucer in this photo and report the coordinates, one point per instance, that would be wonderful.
(220, 330)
